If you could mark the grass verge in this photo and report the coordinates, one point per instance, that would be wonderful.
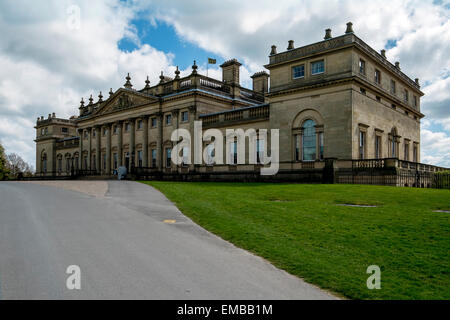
(301, 229)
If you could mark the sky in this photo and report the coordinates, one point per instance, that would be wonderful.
(53, 52)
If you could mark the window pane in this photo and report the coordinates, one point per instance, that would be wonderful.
(298, 72)
(309, 140)
(317, 67)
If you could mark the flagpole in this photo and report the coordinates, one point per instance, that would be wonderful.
(207, 64)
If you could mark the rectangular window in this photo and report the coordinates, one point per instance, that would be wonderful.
(259, 151)
(168, 119)
(154, 158)
(406, 95)
(406, 152)
(362, 66)
(85, 158)
(139, 153)
(64, 130)
(185, 156)
(362, 144)
(184, 116)
(378, 98)
(317, 67)
(105, 131)
(127, 127)
(94, 162)
(393, 87)
(377, 147)
(168, 157)
(59, 165)
(154, 122)
(139, 124)
(377, 76)
(415, 102)
(363, 91)
(115, 129)
(104, 161)
(85, 134)
(94, 133)
(298, 72)
(233, 152)
(115, 161)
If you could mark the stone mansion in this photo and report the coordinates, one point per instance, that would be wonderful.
(337, 98)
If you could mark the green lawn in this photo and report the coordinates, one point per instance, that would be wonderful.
(301, 229)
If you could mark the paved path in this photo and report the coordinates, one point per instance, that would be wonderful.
(124, 249)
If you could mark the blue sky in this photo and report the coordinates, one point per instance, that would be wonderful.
(48, 64)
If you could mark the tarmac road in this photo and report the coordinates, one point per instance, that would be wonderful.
(124, 249)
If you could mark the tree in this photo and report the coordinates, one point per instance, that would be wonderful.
(17, 165)
(3, 164)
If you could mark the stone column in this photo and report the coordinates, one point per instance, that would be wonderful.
(159, 142)
(80, 155)
(89, 161)
(132, 144)
(120, 142)
(97, 148)
(145, 140)
(108, 148)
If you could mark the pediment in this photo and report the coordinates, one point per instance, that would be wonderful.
(124, 99)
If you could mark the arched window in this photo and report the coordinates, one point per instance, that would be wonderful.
(309, 140)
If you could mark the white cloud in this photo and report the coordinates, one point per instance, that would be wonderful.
(47, 67)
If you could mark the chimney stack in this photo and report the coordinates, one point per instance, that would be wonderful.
(349, 28)
(274, 50)
(327, 34)
(261, 82)
(290, 45)
(230, 71)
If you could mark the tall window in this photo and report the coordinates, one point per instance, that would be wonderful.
(406, 152)
(393, 87)
(362, 66)
(115, 160)
(168, 119)
(298, 72)
(154, 122)
(309, 140)
(259, 151)
(104, 161)
(210, 152)
(139, 153)
(377, 76)
(94, 162)
(184, 116)
(168, 157)
(85, 158)
(317, 67)
(127, 126)
(233, 152)
(378, 147)
(139, 124)
(115, 129)
(362, 144)
(154, 158)
(415, 102)
(185, 156)
(406, 95)
(67, 164)
(59, 165)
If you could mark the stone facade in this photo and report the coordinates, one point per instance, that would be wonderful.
(337, 98)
